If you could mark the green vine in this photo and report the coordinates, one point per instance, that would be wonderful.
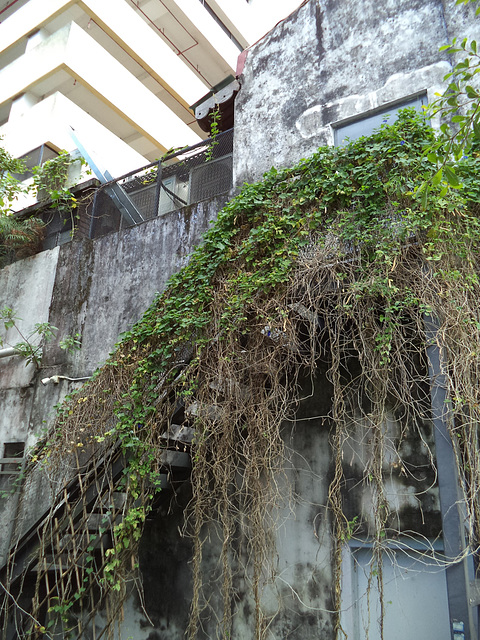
(332, 261)
(51, 182)
(215, 119)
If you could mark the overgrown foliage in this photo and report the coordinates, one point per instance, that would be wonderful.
(20, 237)
(16, 235)
(51, 182)
(459, 109)
(9, 186)
(334, 262)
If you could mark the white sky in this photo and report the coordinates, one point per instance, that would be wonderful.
(269, 12)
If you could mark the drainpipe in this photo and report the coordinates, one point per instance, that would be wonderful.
(8, 351)
(459, 572)
(56, 379)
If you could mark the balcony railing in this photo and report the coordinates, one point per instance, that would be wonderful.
(179, 179)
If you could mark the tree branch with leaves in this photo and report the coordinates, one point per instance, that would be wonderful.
(459, 109)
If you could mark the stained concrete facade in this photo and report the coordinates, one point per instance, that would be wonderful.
(332, 63)
(97, 289)
(329, 62)
(334, 60)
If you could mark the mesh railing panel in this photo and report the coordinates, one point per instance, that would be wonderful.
(185, 177)
(105, 217)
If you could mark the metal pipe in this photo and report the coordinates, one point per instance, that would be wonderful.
(158, 187)
(8, 351)
(459, 569)
(56, 379)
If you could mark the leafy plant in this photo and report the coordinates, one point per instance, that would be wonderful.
(71, 343)
(30, 347)
(459, 109)
(51, 180)
(214, 131)
(9, 184)
(18, 236)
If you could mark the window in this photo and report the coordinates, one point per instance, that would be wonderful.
(364, 125)
(414, 594)
(12, 457)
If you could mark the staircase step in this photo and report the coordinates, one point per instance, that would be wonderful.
(179, 433)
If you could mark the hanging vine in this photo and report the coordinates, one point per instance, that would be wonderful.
(332, 261)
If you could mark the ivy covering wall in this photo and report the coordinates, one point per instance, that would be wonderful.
(332, 260)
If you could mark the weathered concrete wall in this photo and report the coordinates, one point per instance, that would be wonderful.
(97, 289)
(298, 600)
(103, 287)
(332, 60)
(26, 287)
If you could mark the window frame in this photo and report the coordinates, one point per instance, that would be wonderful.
(374, 118)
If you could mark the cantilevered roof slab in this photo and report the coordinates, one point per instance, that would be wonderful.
(119, 20)
(71, 49)
(192, 12)
(48, 122)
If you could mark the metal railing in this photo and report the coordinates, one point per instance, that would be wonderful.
(179, 179)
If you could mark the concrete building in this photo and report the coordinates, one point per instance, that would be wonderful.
(122, 74)
(331, 70)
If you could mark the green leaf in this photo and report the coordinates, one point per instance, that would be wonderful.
(424, 199)
(476, 129)
(437, 178)
(451, 177)
(471, 92)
